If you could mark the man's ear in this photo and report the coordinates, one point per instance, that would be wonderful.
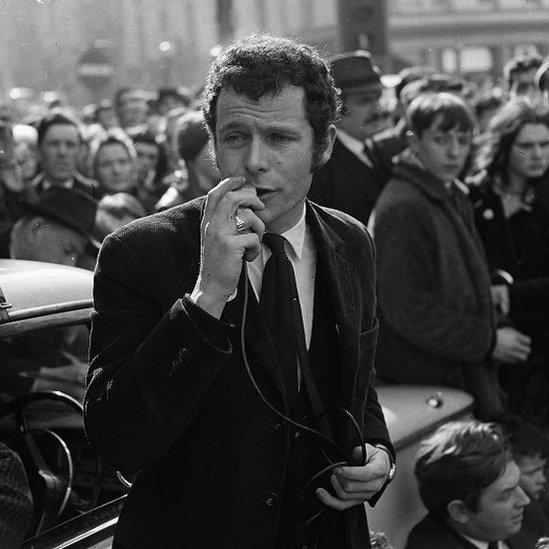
(458, 511)
(328, 146)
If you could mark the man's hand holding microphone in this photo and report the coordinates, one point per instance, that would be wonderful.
(231, 232)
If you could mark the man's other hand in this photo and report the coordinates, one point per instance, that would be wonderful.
(353, 485)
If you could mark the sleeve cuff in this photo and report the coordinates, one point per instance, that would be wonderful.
(213, 331)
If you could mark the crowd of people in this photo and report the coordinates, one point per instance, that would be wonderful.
(453, 185)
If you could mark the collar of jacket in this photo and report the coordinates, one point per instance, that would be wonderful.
(409, 169)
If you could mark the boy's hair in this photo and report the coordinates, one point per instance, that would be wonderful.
(524, 439)
(451, 109)
(458, 462)
(263, 64)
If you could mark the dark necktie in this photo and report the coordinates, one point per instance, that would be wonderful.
(493, 545)
(278, 302)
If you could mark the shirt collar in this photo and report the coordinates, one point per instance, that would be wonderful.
(477, 543)
(296, 236)
(68, 184)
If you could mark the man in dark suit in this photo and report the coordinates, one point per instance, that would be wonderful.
(216, 423)
(470, 486)
(348, 181)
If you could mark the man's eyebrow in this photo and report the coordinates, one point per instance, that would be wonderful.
(230, 126)
(275, 127)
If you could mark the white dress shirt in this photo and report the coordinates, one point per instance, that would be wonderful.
(484, 544)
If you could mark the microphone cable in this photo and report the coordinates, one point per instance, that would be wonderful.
(317, 434)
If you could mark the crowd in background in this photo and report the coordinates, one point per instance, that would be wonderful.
(68, 178)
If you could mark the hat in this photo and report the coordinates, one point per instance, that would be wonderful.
(411, 74)
(434, 83)
(356, 70)
(69, 207)
(192, 135)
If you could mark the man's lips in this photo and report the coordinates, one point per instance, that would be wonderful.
(261, 193)
(518, 517)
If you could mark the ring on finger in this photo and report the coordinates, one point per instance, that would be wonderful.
(240, 225)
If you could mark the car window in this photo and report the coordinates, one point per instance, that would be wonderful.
(45, 360)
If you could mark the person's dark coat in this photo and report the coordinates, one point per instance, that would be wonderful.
(346, 183)
(168, 395)
(382, 149)
(519, 246)
(430, 533)
(436, 319)
(79, 182)
(15, 499)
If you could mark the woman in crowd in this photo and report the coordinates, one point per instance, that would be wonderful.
(113, 162)
(511, 200)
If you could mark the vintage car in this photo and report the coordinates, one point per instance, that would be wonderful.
(44, 325)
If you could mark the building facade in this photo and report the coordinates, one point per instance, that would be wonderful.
(153, 43)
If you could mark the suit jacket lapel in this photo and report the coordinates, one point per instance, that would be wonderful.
(256, 335)
(332, 258)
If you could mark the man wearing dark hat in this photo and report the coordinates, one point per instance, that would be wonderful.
(55, 228)
(346, 181)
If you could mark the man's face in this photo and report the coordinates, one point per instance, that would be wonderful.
(529, 154)
(59, 152)
(54, 243)
(532, 475)
(147, 159)
(270, 142)
(114, 168)
(501, 505)
(364, 117)
(443, 153)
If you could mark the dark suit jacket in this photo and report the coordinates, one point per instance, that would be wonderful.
(433, 534)
(168, 395)
(346, 183)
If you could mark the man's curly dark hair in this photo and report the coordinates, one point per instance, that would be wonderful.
(264, 64)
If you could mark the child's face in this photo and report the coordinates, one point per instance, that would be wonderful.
(532, 474)
(443, 153)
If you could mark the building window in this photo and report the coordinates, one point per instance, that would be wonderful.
(476, 60)
(449, 60)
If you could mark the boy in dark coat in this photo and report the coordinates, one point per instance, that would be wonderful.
(436, 310)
